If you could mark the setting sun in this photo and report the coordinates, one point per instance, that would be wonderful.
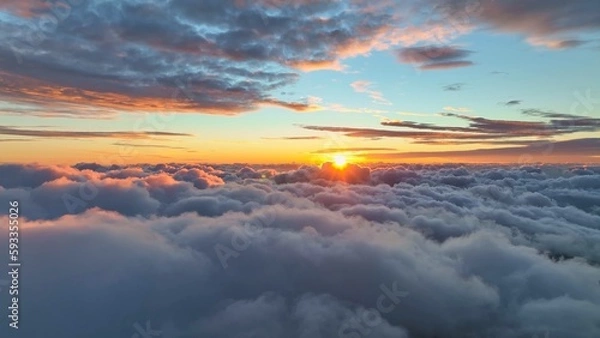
(340, 161)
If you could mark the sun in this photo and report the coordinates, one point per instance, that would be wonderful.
(340, 161)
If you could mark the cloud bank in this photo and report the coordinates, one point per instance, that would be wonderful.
(235, 251)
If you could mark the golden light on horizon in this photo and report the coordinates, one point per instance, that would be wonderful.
(340, 161)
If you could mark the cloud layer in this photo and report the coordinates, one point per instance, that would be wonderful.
(530, 137)
(232, 251)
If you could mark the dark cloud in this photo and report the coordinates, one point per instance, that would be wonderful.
(556, 125)
(454, 87)
(549, 114)
(487, 142)
(45, 133)
(378, 133)
(61, 111)
(435, 57)
(578, 150)
(425, 126)
(512, 103)
(16, 139)
(91, 59)
(30, 176)
(481, 130)
(445, 65)
(432, 54)
(542, 22)
(406, 251)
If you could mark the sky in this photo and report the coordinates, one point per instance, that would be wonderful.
(274, 81)
(300, 169)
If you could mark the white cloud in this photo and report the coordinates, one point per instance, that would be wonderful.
(366, 87)
(477, 250)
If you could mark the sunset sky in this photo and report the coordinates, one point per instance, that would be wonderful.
(274, 81)
(300, 168)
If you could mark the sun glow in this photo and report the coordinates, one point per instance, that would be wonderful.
(340, 161)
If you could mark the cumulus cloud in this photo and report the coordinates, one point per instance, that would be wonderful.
(214, 57)
(411, 251)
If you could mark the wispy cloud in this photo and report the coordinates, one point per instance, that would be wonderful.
(512, 103)
(555, 43)
(457, 109)
(44, 133)
(336, 107)
(71, 111)
(351, 150)
(161, 146)
(479, 129)
(366, 87)
(446, 65)
(16, 139)
(579, 150)
(409, 134)
(454, 87)
(294, 138)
